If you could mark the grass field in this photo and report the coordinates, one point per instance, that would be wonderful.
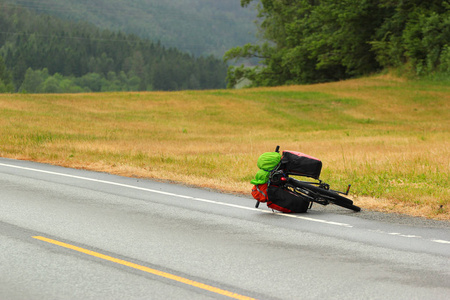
(387, 136)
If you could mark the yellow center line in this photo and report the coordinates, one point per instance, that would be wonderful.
(146, 269)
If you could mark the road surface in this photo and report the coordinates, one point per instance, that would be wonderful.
(76, 234)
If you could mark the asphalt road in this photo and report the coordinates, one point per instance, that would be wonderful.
(75, 234)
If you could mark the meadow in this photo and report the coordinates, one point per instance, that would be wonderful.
(387, 136)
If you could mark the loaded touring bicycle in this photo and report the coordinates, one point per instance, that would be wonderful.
(274, 184)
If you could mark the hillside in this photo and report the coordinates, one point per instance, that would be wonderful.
(387, 136)
(200, 27)
(42, 53)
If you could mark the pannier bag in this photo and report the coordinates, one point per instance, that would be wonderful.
(266, 163)
(259, 192)
(285, 201)
(297, 163)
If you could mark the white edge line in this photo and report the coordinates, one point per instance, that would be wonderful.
(409, 236)
(441, 241)
(177, 195)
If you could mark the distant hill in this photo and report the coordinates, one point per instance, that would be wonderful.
(200, 27)
(46, 54)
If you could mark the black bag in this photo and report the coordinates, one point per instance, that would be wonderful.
(283, 200)
(296, 163)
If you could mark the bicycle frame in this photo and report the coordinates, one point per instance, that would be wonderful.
(326, 186)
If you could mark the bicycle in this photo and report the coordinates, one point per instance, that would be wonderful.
(299, 164)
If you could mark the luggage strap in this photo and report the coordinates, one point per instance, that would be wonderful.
(265, 196)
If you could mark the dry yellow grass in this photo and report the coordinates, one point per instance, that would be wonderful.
(387, 136)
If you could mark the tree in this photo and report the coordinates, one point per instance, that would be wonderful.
(6, 85)
(416, 33)
(33, 81)
(314, 41)
(52, 84)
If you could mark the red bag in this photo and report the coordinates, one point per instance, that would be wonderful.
(259, 192)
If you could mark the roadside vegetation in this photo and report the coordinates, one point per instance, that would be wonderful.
(388, 136)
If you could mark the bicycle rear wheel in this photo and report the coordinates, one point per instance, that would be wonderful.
(327, 195)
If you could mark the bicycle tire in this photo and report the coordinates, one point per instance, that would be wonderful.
(331, 196)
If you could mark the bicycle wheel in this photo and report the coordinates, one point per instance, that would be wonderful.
(330, 196)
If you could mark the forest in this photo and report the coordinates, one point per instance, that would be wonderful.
(42, 54)
(198, 27)
(309, 41)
